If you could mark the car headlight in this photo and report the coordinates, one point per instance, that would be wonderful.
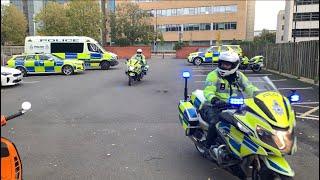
(5, 73)
(280, 139)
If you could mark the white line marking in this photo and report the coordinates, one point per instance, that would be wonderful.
(30, 82)
(308, 118)
(303, 106)
(310, 115)
(199, 75)
(250, 81)
(272, 80)
(306, 103)
(310, 111)
(295, 88)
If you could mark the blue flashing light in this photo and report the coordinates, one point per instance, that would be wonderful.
(236, 101)
(294, 98)
(186, 74)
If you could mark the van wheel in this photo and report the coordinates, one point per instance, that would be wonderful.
(67, 70)
(197, 61)
(105, 65)
(23, 71)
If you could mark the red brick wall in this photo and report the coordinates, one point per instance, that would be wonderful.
(128, 51)
(184, 52)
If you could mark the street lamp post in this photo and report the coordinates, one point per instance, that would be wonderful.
(34, 24)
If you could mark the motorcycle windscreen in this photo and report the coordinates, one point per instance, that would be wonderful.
(11, 166)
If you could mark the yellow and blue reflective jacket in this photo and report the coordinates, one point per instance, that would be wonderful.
(219, 87)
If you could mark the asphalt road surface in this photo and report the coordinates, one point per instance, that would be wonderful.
(94, 126)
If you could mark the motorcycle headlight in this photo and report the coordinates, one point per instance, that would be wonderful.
(280, 139)
(131, 68)
(5, 73)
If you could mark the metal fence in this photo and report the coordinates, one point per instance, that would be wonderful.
(8, 51)
(299, 59)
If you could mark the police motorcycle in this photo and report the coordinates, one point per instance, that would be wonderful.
(254, 133)
(255, 63)
(11, 166)
(135, 71)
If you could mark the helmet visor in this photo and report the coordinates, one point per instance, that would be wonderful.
(225, 65)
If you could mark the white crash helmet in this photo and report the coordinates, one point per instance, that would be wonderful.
(229, 57)
(139, 51)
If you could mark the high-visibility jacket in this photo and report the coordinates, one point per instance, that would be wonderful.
(217, 86)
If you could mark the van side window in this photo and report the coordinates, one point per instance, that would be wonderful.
(93, 48)
(66, 47)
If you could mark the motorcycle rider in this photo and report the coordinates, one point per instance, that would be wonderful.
(220, 84)
(141, 58)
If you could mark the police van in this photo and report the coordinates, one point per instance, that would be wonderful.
(72, 47)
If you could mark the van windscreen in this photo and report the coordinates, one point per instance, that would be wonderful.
(66, 47)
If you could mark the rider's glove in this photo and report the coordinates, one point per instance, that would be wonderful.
(218, 103)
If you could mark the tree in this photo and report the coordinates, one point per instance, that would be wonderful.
(85, 18)
(265, 37)
(131, 25)
(53, 20)
(13, 25)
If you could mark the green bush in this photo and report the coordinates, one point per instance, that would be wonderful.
(179, 45)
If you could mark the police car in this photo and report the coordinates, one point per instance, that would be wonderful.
(211, 54)
(44, 63)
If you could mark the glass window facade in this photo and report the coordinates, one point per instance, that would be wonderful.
(197, 10)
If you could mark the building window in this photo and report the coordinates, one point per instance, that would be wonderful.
(283, 17)
(205, 26)
(305, 32)
(169, 27)
(309, 16)
(197, 10)
(281, 38)
(282, 27)
(224, 26)
(304, 2)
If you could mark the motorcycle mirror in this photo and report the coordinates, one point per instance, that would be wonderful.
(26, 106)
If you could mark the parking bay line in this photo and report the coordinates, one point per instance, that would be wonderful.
(30, 82)
(305, 103)
(297, 105)
(293, 88)
(310, 112)
(312, 118)
(309, 115)
(250, 81)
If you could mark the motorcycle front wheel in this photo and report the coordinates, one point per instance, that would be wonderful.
(256, 68)
(266, 174)
(130, 81)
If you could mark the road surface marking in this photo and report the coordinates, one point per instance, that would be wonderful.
(250, 81)
(303, 106)
(310, 115)
(293, 88)
(310, 112)
(30, 82)
(312, 118)
(305, 103)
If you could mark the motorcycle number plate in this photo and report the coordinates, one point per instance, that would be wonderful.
(131, 74)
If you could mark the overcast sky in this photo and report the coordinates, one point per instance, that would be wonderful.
(265, 13)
